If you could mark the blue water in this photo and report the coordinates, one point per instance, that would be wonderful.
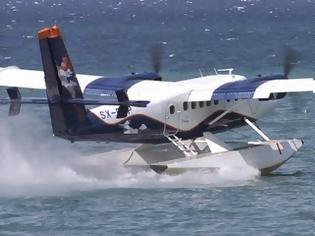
(49, 187)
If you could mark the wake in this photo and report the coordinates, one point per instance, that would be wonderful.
(32, 162)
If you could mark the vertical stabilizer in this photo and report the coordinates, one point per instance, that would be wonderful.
(61, 84)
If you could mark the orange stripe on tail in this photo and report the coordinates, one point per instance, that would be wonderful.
(52, 32)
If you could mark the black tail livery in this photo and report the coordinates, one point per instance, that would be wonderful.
(69, 117)
(61, 84)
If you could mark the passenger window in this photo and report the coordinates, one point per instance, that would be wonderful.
(193, 105)
(172, 109)
(216, 102)
(185, 106)
(201, 104)
(208, 103)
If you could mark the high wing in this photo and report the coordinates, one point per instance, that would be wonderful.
(256, 88)
(32, 79)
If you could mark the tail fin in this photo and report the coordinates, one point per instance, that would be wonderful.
(61, 84)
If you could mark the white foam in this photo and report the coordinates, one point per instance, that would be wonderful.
(50, 166)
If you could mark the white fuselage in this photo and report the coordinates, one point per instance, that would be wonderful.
(173, 103)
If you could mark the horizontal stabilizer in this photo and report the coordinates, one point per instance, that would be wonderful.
(15, 101)
(113, 102)
(36, 100)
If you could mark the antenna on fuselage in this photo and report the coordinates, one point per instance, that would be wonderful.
(132, 69)
(215, 71)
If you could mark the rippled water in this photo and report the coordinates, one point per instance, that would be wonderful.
(49, 186)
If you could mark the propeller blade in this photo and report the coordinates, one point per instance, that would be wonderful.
(156, 57)
(298, 102)
(291, 57)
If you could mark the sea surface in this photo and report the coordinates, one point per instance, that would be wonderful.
(51, 187)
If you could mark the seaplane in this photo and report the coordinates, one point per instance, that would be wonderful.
(174, 123)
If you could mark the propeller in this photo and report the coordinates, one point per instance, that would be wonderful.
(291, 57)
(299, 102)
(156, 57)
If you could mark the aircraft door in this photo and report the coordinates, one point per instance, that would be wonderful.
(172, 118)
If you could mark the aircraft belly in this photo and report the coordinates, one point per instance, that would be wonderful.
(148, 127)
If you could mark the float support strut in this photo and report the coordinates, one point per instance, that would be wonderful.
(254, 127)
